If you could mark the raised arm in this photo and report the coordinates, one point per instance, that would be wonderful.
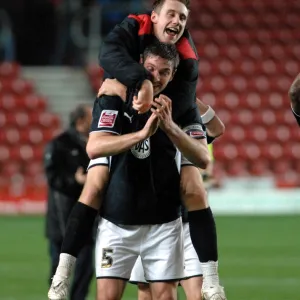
(106, 137)
(191, 140)
(120, 52)
(214, 126)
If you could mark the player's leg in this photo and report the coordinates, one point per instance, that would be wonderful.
(79, 229)
(84, 271)
(192, 281)
(162, 258)
(202, 229)
(81, 220)
(117, 249)
(192, 288)
(54, 250)
(144, 292)
(138, 277)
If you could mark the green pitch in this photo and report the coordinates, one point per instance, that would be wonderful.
(259, 258)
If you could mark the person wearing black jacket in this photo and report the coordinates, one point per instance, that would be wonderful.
(65, 162)
(294, 94)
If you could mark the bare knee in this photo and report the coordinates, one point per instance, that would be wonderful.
(164, 291)
(144, 292)
(192, 188)
(110, 289)
(192, 288)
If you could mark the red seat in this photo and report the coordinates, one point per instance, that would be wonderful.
(23, 152)
(22, 87)
(18, 118)
(280, 134)
(274, 101)
(265, 118)
(3, 119)
(253, 101)
(47, 120)
(260, 167)
(32, 136)
(12, 136)
(8, 102)
(237, 167)
(256, 134)
(234, 134)
(242, 117)
(11, 168)
(281, 166)
(34, 103)
(292, 151)
(35, 168)
(4, 154)
(9, 70)
(272, 151)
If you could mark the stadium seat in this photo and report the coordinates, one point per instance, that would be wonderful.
(4, 154)
(260, 167)
(9, 70)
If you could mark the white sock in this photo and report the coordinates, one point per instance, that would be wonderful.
(210, 274)
(66, 265)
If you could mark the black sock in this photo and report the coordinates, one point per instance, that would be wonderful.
(204, 234)
(79, 229)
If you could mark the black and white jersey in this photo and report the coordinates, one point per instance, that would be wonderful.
(144, 185)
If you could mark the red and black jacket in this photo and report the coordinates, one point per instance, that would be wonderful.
(120, 56)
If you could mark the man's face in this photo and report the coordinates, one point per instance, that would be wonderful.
(162, 71)
(170, 21)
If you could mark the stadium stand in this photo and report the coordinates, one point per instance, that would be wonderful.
(26, 126)
(249, 55)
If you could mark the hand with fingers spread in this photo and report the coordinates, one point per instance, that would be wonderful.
(162, 108)
(112, 87)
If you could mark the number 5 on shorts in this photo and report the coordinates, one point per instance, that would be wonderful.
(107, 260)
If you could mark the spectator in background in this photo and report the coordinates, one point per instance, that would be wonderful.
(65, 162)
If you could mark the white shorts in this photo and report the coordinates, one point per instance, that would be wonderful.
(192, 266)
(159, 246)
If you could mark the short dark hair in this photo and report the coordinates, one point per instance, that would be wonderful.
(163, 50)
(79, 112)
(157, 4)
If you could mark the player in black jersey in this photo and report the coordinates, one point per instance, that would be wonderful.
(159, 197)
(140, 209)
(119, 57)
(294, 94)
(192, 280)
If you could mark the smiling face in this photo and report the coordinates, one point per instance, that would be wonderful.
(162, 71)
(169, 21)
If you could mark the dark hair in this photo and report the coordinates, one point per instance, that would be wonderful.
(157, 4)
(163, 50)
(79, 112)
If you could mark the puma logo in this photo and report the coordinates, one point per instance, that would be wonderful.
(128, 117)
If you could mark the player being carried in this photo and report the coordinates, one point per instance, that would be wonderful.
(119, 57)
